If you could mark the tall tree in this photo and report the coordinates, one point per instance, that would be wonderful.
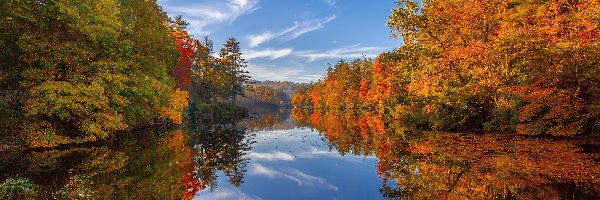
(203, 75)
(234, 64)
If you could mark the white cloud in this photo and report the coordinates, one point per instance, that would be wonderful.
(299, 140)
(206, 13)
(290, 33)
(308, 26)
(277, 73)
(255, 40)
(316, 153)
(312, 180)
(271, 135)
(353, 51)
(330, 3)
(294, 175)
(267, 53)
(258, 169)
(275, 156)
(225, 193)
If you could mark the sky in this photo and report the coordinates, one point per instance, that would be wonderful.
(291, 40)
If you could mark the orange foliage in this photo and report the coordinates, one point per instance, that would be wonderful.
(176, 141)
(524, 66)
(529, 67)
(177, 103)
(433, 165)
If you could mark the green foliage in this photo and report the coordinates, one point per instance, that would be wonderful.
(17, 188)
(139, 165)
(215, 80)
(233, 64)
(81, 70)
(10, 118)
(214, 111)
(218, 78)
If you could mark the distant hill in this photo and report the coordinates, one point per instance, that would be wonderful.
(286, 87)
(269, 94)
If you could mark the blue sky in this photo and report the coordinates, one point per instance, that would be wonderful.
(291, 40)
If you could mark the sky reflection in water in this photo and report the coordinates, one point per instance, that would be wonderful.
(297, 163)
(271, 157)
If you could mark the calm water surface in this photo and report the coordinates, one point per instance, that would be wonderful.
(289, 162)
(274, 156)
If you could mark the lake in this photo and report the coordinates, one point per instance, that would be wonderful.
(293, 155)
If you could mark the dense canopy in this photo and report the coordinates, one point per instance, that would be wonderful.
(520, 65)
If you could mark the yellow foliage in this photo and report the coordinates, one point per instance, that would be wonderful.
(177, 103)
(41, 134)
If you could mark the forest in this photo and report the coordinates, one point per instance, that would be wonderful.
(484, 99)
(81, 71)
(523, 66)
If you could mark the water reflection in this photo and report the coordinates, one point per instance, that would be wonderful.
(290, 162)
(273, 156)
(220, 147)
(139, 166)
(274, 120)
(165, 164)
(430, 165)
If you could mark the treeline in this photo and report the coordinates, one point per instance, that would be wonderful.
(269, 93)
(78, 71)
(498, 65)
(216, 81)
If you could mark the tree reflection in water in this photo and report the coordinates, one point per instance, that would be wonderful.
(142, 165)
(220, 147)
(417, 164)
(411, 163)
(138, 165)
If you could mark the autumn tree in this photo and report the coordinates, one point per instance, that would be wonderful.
(558, 48)
(205, 76)
(182, 72)
(300, 98)
(79, 71)
(218, 78)
(523, 66)
(233, 63)
(504, 64)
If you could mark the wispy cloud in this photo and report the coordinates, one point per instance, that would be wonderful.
(278, 73)
(202, 14)
(275, 156)
(255, 40)
(330, 3)
(308, 26)
(317, 153)
(225, 193)
(306, 143)
(302, 179)
(267, 53)
(312, 180)
(289, 33)
(353, 51)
